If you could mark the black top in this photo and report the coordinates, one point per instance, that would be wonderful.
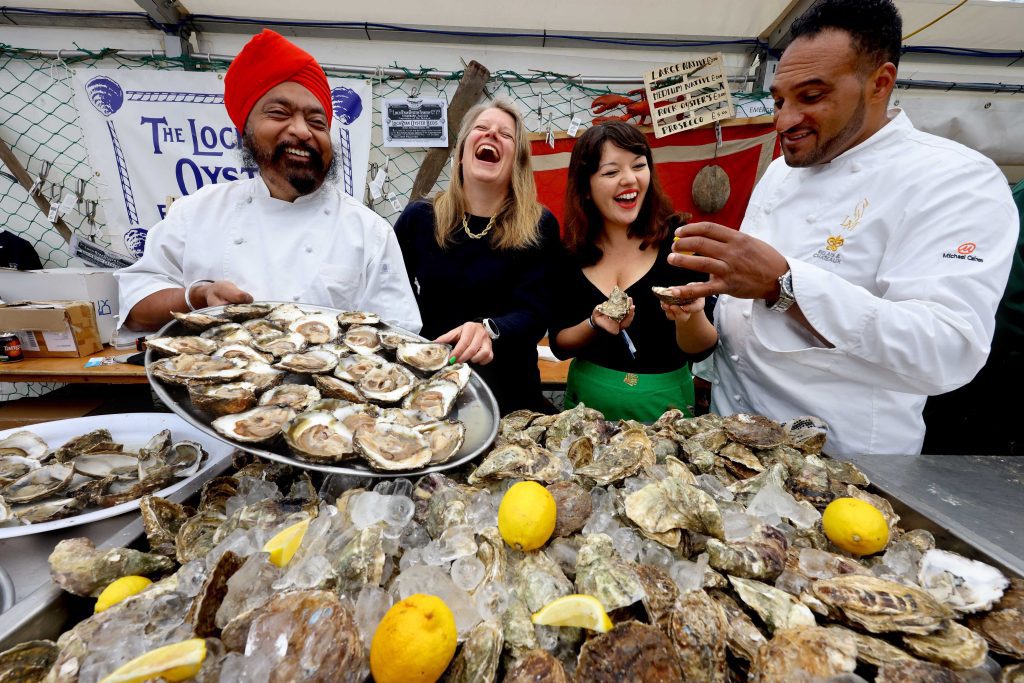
(16, 252)
(653, 335)
(470, 280)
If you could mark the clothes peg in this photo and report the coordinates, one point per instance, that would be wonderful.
(44, 171)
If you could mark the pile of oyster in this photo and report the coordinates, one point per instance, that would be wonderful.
(701, 538)
(38, 484)
(333, 387)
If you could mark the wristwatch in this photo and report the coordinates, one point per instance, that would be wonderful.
(490, 328)
(786, 295)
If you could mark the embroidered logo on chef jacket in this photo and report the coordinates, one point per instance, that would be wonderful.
(964, 252)
(834, 242)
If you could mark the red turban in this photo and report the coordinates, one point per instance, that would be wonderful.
(266, 61)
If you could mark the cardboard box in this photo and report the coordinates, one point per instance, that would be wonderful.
(96, 285)
(58, 329)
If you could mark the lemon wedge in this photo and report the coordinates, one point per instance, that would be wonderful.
(177, 662)
(284, 544)
(583, 611)
(118, 590)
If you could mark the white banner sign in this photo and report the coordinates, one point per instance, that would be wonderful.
(155, 136)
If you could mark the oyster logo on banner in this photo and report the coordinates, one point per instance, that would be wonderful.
(154, 135)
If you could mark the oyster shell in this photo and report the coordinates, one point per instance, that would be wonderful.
(387, 384)
(536, 666)
(444, 438)
(332, 387)
(362, 339)
(98, 440)
(629, 652)
(317, 328)
(388, 446)
(882, 606)
(743, 638)
(1003, 627)
(698, 629)
(14, 466)
(202, 613)
(46, 511)
(358, 318)
(77, 566)
(673, 504)
(172, 346)
(777, 609)
(161, 520)
(318, 436)
(263, 375)
(433, 397)
(963, 584)
(537, 580)
(285, 313)
(24, 444)
(479, 656)
(264, 327)
(954, 646)
(761, 556)
(755, 431)
(425, 356)
(185, 458)
(242, 312)
(40, 483)
(819, 652)
(298, 397)
(916, 671)
(101, 465)
(352, 368)
(361, 562)
(600, 572)
(626, 454)
(223, 399)
(874, 651)
(390, 339)
(573, 505)
(228, 333)
(28, 662)
(665, 295)
(617, 305)
(308, 362)
(281, 343)
(198, 321)
(256, 425)
(518, 461)
(187, 367)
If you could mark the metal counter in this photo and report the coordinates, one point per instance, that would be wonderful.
(977, 501)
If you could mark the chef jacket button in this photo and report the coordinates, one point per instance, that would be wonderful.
(734, 357)
(811, 218)
(327, 212)
(855, 167)
(309, 249)
(249, 200)
(714, 381)
(239, 240)
(737, 397)
(746, 314)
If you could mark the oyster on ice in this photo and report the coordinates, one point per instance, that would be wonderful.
(78, 567)
(536, 666)
(954, 646)
(629, 652)
(319, 437)
(965, 585)
(698, 628)
(673, 504)
(362, 339)
(389, 446)
(524, 460)
(755, 431)
(425, 356)
(256, 425)
(223, 399)
(882, 606)
(600, 572)
(818, 651)
(28, 662)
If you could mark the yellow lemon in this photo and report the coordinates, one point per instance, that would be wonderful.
(118, 590)
(177, 662)
(583, 611)
(414, 642)
(526, 516)
(855, 525)
(285, 542)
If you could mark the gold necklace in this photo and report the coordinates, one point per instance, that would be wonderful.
(476, 236)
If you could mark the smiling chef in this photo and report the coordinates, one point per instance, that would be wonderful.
(288, 234)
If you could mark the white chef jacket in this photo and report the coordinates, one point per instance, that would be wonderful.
(324, 248)
(900, 249)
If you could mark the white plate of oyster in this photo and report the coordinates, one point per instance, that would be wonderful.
(335, 391)
(69, 472)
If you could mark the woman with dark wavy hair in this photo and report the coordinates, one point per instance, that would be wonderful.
(618, 232)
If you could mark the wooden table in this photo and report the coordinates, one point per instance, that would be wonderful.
(73, 370)
(552, 374)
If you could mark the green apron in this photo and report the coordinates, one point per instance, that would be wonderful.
(627, 395)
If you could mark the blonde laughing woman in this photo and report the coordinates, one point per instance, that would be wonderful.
(478, 256)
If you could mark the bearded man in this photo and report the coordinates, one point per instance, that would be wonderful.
(288, 234)
(872, 256)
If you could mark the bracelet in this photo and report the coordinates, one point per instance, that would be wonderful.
(188, 292)
(591, 321)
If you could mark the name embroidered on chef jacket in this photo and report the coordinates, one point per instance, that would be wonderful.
(965, 252)
(834, 242)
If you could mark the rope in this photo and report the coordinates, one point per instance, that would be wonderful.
(935, 21)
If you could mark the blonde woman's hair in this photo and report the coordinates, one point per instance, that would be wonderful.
(515, 225)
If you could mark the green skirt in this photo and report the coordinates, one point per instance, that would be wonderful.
(627, 395)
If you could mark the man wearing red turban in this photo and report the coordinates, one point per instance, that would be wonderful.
(288, 233)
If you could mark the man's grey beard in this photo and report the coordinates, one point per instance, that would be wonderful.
(251, 158)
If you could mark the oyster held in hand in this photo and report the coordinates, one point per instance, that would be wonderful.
(617, 305)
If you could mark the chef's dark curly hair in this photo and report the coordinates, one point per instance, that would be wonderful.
(875, 27)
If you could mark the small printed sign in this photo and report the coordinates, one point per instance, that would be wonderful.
(415, 122)
(688, 94)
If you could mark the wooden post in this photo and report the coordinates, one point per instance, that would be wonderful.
(471, 88)
(25, 180)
